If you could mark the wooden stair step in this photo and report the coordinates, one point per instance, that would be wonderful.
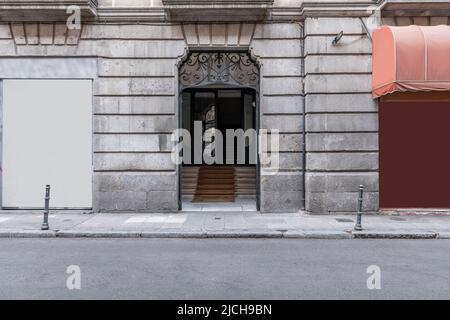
(216, 173)
(219, 183)
(216, 181)
(214, 199)
(216, 192)
(215, 187)
(215, 184)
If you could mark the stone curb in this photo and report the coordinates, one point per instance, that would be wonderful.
(394, 235)
(96, 234)
(27, 234)
(173, 234)
(236, 234)
(317, 235)
(245, 234)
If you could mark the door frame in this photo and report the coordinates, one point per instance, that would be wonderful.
(257, 116)
(256, 121)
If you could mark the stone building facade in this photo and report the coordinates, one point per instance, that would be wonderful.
(315, 92)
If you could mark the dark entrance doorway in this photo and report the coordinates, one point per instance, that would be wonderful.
(230, 179)
(223, 110)
(219, 92)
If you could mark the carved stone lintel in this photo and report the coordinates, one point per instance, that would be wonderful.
(230, 35)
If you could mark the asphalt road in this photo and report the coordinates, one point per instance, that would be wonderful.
(223, 269)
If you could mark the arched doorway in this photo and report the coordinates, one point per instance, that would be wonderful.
(219, 109)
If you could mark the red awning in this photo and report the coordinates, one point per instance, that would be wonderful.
(410, 59)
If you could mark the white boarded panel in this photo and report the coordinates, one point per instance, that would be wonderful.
(47, 139)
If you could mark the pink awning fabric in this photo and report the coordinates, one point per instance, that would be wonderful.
(410, 59)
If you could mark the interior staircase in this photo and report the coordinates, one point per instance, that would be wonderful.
(219, 183)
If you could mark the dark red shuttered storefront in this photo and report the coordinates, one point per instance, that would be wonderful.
(411, 78)
(414, 141)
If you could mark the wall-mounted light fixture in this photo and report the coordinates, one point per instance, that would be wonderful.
(338, 38)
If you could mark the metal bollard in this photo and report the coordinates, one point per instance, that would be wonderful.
(45, 225)
(358, 226)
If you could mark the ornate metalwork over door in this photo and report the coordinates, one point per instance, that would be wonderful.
(236, 69)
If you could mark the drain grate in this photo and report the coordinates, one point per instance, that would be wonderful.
(398, 219)
(344, 220)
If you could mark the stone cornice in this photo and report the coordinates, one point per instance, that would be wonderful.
(49, 4)
(416, 8)
(321, 9)
(217, 10)
(217, 3)
(44, 10)
(337, 9)
(238, 11)
(308, 9)
(131, 14)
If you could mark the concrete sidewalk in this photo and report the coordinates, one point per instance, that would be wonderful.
(221, 225)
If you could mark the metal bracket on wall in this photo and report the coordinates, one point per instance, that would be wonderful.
(365, 29)
(338, 38)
